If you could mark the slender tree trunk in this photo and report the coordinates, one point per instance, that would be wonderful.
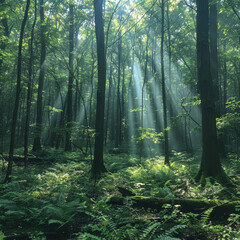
(98, 165)
(154, 93)
(123, 117)
(4, 24)
(224, 80)
(61, 125)
(29, 93)
(22, 120)
(108, 103)
(68, 146)
(142, 105)
(38, 130)
(91, 80)
(77, 98)
(210, 163)
(19, 117)
(166, 151)
(169, 47)
(53, 133)
(119, 110)
(18, 89)
(4, 34)
(113, 104)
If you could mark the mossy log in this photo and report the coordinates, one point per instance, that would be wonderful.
(220, 208)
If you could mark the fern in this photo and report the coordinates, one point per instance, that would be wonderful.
(150, 230)
(88, 236)
(166, 237)
(112, 226)
(206, 216)
(174, 230)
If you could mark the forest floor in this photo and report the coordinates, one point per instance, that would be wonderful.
(56, 199)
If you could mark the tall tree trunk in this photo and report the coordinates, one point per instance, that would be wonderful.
(169, 48)
(18, 89)
(59, 135)
(213, 36)
(5, 34)
(166, 151)
(68, 146)
(108, 103)
(210, 163)
(38, 130)
(224, 79)
(154, 92)
(78, 61)
(142, 105)
(113, 107)
(119, 110)
(4, 24)
(123, 117)
(98, 165)
(29, 93)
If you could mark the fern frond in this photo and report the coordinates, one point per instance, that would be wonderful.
(150, 230)
(206, 216)
(166, 237)
(88, 236)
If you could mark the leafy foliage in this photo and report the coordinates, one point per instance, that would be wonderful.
(61, 198)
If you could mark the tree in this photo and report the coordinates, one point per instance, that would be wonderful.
(213, 36)
(17, 96)
(4, 34)
(119, 107)
(70, 80)
(29, 86)
(98, 164)
(166, 151)
(4, 25)
(38, 130)
(210, 163)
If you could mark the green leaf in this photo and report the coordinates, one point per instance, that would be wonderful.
(15, 212)
(51, 221)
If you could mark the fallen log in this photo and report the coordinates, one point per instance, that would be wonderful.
(220, 208)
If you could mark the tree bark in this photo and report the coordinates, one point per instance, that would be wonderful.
(210, 163)
(29, 93)
(17, 97)
(123, 114)
(119, 110)
(4, 24)
(5, 33)
(166, 148)
(98, 164)
(68, 146)
(213, 36)
(38, 129)
(108, 103)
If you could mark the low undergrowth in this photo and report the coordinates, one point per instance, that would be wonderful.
(58, 200)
